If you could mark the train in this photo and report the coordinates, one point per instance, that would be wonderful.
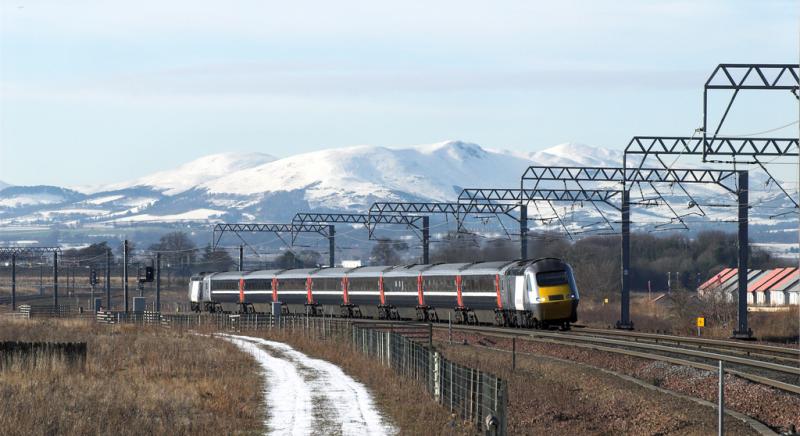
(536, 293)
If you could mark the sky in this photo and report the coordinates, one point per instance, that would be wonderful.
(98, 91)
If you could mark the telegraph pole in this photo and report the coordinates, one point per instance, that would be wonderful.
(331, 245)
(55, 279)
(523, 230)
(158, 282)
(108, 280)
(13, 282)
(241, 257)
(125, 273)
(426, 239)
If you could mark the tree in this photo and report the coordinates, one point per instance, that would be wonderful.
(178, 253)
(94, 254)
(218, 260)
(303, 259)
(388, 252)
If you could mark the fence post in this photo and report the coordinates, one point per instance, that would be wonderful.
(437, 382)
(513, 353)
(449, 329)
(430, 335)
(721, 400)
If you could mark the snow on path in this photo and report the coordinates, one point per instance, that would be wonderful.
(330, 392)
(288, 397)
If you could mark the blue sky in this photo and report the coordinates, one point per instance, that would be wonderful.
(95, 91)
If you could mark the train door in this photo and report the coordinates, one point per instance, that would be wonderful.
(519, 292)
(207, 288)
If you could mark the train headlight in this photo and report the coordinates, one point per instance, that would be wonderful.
(572, 296)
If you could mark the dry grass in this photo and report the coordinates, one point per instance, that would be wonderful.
(136, 381)
(646, 315)
(554, 397)
(406, 403)
(660, 317)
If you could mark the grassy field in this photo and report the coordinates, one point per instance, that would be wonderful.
(556, 397)
(135, 381)
(649, 316)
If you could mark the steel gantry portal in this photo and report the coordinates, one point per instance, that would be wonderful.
(425, 209)
(370, 221)
(724, 178)
(326, 230)
(14, 252)
(750, 149)
(750, 77)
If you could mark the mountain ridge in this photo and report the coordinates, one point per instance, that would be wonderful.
(257, 187)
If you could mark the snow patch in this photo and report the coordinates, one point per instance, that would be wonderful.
(192, 215)
(290, 395)
(31, 200)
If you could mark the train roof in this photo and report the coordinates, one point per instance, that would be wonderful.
(228, 275)
(300, 273)
(406, 270)
(497, 267)
(369, 271)
(264, 274)
(547, 264)
(463, 268)
(331, 272)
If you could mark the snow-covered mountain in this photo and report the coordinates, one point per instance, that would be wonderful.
(256, 187)
(187, 176)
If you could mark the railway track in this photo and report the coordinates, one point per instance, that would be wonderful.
(789, 355)
(777, 367)
(784, 376)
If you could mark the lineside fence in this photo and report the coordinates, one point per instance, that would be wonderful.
(475, 396)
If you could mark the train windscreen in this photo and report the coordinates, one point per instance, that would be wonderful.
(552, 278)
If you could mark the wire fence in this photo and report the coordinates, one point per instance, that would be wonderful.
(476, 396)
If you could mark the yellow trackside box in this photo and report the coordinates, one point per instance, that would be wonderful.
(701, 322)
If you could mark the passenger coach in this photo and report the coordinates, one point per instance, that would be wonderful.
(535, 293)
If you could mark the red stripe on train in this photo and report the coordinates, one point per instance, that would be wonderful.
(380, 288)
(460, 300)
(420, 296)
(309, 295)
(497, 289)
(345, 283)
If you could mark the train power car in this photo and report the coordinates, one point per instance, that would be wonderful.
(530, 293)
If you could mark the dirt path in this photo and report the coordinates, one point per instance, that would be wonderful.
(311, 396)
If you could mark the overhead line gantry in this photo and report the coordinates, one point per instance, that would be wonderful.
(723, 178)
(425, 209)
(328, 231)
(13, 252)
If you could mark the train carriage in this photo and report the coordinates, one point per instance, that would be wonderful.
(520, 293)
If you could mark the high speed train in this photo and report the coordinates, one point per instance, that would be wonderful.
(529, 293)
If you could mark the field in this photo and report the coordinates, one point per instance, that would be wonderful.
(135, 381)
(548, 396)
(676, 317)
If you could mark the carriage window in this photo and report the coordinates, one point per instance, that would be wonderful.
(551, 278)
